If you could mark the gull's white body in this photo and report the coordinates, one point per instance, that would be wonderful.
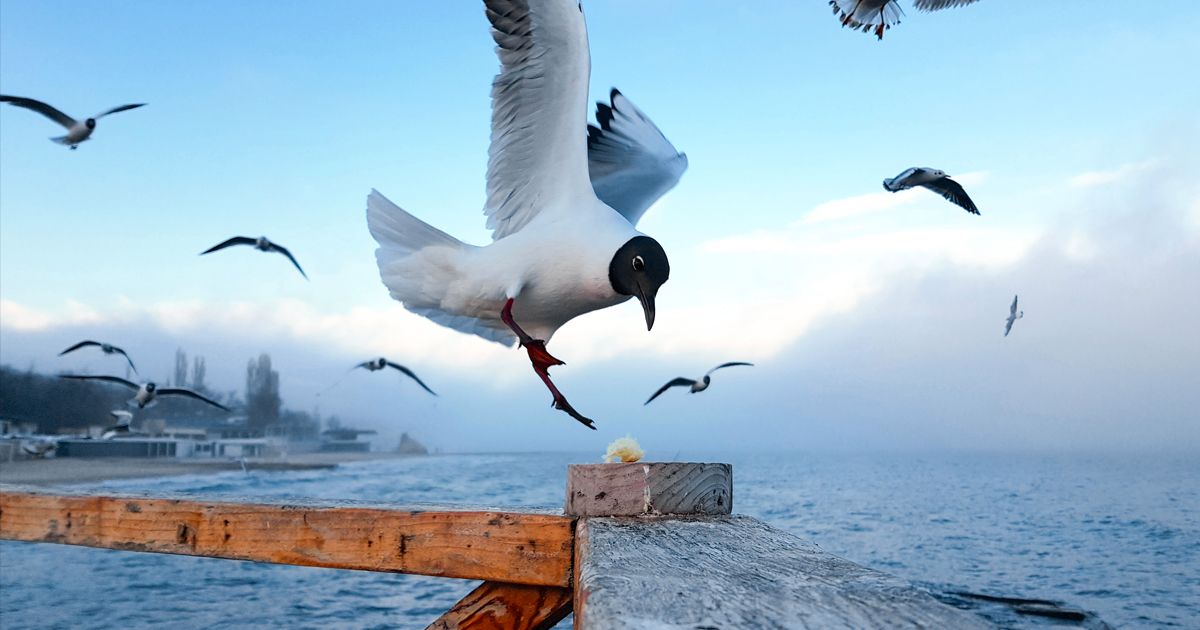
(554, 239)
(143, 398)
(78, 133)
(554, 270)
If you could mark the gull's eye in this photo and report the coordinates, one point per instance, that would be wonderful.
(638, 263)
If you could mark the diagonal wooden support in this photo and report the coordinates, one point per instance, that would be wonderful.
(498, 606)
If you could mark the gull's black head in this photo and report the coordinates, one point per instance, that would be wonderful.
(639, 268)
(150, 387)
(91, 123)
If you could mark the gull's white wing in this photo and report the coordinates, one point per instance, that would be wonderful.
(537, 161)
(630, 161)
(936, 5)
(1012, 310)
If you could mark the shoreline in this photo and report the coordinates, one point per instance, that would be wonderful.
(76, 470)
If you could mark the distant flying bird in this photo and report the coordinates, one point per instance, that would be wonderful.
(78, 131)
(1013, 315)
(106, 348)
(374, 365)
(935, 180)
(562, 208)
(121, 428)
(879, 15)
(261, 244)
(148, 392)
(695, 385)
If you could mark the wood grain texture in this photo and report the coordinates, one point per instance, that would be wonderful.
(496, 606)
(649, 488)
(513, 547)
(735, 572)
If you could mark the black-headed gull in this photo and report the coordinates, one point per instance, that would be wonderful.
(77, 130)
(696, 385)
(1013, 315)
(558, 249)
(123, 420)
(935, 180)
(262, 244)
(106, 348)
(374, 365)
(876, 16)
(146, 393)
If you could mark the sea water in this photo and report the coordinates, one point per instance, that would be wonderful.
(1115, 535)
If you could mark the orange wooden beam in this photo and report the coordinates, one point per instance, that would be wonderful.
(512, 547)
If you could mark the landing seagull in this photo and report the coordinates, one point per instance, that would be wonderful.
(879, 15)
(106, 348)
(1013, 315)
(78, 131)
(261, 244)
(148, 392)
(123, 419)
(935, 180)
(374, 365)
(695, 385)
(562, 210)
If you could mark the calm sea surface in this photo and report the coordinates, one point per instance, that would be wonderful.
(1119, 536)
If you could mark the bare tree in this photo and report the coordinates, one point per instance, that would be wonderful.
(181, 368)
(199, 371)
(262, 392)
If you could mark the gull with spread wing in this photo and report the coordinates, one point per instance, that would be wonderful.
(147, 393)
(1013, 316)
(262, 244)
(876, 16)
(562, 209)
(935, 180)
(374, 365)
(106, 348)
(77, 130)
(122, 427)
(695, 385)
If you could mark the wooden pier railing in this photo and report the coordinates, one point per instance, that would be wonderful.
(640, 545)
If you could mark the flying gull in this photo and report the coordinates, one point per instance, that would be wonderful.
(695, 385)
(879, 15)
(106, 348)
(562, 210)
(146, 393)
(78, 131)
(374, 365)
(935, 180)
(1013, 315)
(261, 244)
(123, 420)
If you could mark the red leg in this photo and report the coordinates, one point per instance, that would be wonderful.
(542, 362)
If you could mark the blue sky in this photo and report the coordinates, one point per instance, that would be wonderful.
(277, 119)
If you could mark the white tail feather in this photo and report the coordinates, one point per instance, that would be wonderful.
(419, 263)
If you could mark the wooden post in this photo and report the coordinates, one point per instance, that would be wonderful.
(649, 488)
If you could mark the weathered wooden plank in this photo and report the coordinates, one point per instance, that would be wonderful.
(513, 547)
(734, 572)
(507, 607)
(643, 488)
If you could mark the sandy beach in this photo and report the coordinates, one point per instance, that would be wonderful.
(71, 470)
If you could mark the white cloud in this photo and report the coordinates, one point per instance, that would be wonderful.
(1102, 178)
